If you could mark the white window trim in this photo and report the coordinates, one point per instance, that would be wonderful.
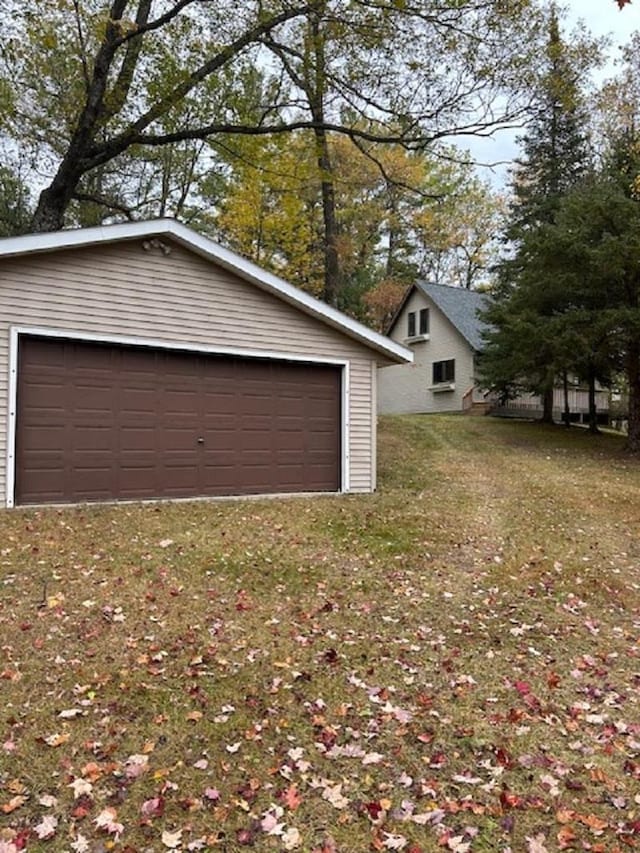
(125, 340)
(414, 339)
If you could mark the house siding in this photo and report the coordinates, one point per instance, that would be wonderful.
(404, 389)
(121, 291)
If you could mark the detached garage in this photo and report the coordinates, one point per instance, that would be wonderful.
(143, 361)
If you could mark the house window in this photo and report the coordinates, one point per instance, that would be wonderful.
(411, 324)
(423, 323)
(444, 371)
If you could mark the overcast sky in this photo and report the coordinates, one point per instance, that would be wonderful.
(602, 18)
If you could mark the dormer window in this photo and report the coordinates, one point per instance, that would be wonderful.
(411, 324)
(423, 322)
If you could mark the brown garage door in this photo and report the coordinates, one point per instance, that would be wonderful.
(102, 422)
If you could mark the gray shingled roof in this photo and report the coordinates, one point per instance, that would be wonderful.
(460, 307)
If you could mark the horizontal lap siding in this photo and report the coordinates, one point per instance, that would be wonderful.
(121, 290)
(408, 388)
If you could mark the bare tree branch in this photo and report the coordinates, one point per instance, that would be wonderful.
(103, 201)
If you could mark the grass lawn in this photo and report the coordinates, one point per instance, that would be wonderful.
(450, 664)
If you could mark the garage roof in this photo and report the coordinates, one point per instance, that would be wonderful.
(206, 248)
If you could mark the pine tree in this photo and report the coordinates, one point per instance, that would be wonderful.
(523, 351)
(556, 145)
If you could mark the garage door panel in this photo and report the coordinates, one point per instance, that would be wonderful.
(41, 441)
(219, 480)
(99, 422)
(138, 480)
(218, 426)
(218, 397)
(321, 451)
(180, 401)
(46, 461)
(253, 424)
(218, 461)
(139, 397)
(91, 438)
(136, 440)
(216, 444)
(50, 488)
(292, 408)
(90, 398)
(256, 405)
(47, 399)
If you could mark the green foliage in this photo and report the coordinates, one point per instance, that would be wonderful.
(96, 84)
(399, 214)
(556, 145)
(527, 348)
(15, 211)
(572, 303)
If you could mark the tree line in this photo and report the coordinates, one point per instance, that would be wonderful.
(309, 110)
(566, 302)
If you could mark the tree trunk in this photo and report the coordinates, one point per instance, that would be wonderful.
(593, 414)
(567, 409)
(316, 96)
(633, 376)
(547, 404)
(52, 204)
(332, 278)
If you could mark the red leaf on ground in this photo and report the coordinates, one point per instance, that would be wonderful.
(566, 837)
(503, 758)
(246, 837)
(153, 807)
(374, 808)
(291, 798)
(553, 680)
(509, 800)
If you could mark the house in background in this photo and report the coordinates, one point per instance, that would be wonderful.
(443, 328)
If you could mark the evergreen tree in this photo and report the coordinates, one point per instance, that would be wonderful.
(556, 144)
(523, 351)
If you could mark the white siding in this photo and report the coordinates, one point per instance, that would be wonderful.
(407, 388)
(121, 290)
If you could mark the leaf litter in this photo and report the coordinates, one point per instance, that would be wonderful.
(449, 665)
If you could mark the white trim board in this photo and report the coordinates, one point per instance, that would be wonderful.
(206, 248)
(120, 340)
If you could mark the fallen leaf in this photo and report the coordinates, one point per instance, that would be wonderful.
(56, 740)
(107, 820)
(13, 804)
(47, 827)
(172, 839)
(394, 842)
(153, 807)
(81, 788)
(537, 845)
(291, 839)
(291, 798)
